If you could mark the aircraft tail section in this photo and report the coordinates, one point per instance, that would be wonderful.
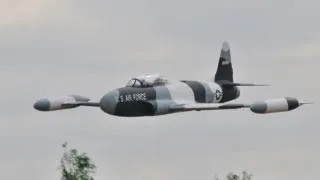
(224, 71)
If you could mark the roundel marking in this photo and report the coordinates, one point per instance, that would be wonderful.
(218, 95)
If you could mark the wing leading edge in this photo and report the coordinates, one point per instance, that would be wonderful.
(201, 107)
(81, 103)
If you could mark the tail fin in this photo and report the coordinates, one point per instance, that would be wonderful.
(224, 74)
(224, 71)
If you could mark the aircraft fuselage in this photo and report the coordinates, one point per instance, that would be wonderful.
(150, 101)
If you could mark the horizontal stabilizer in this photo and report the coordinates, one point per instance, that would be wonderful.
(243, 84)
(228, 84)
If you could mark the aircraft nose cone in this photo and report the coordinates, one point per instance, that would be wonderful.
(108, 102)
(42, 105)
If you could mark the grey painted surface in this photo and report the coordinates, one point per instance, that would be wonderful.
(42, 105)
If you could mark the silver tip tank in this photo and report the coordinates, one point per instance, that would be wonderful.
(276, 105)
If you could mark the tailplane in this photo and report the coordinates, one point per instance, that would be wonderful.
(227, 84)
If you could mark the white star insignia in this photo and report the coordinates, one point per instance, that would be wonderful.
(218, 94)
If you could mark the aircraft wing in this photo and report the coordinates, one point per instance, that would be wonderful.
(80, 103)
(201, 107)
(64, 102)
(260, 107)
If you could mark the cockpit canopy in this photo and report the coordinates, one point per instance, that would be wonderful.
(147, 81)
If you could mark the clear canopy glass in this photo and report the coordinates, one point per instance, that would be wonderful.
(147, 81)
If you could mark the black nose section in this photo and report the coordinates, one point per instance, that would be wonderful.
(42, 105)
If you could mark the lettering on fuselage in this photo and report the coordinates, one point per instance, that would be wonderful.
(131, 97)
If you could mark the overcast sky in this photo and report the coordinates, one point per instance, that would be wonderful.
(56, 47)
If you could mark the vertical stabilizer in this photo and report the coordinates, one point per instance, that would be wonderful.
(224, 71)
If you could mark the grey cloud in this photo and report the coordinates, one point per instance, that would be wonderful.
(121, 29)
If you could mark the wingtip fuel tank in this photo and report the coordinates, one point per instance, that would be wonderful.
(58, 103)
(276, 105)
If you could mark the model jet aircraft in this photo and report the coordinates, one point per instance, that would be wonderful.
(155, 95)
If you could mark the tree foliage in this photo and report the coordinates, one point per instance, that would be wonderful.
(233, 176)
(76, 166)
